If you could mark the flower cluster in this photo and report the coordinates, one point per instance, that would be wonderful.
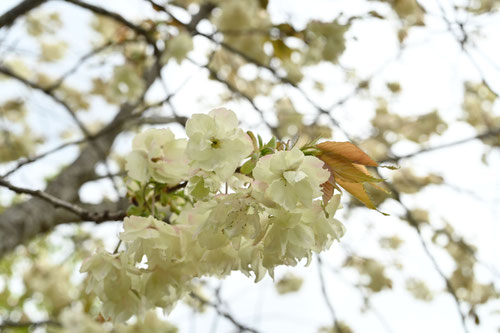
(218, 202)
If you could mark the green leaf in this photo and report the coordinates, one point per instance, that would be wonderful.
(134, 210)
(272, 143)
(259, 138)
(248, 167)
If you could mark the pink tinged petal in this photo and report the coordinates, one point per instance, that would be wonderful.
(200, 123)
(314, 167)
(225, 119)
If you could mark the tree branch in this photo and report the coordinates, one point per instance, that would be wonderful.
(228, 316)
(82, 60)
(364, 294)
(335, 322)
(414, 223)
(85, 215)
(6, 71)
(283, 79)
(29, 160)
(29, 324)
(238, 92)
(159, 120)
(117, 17)
(48, 92)
(492, 132)
(23, 221)
(21, 9)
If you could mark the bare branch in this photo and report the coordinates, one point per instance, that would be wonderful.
(414, 223)
(6, 71)
(487, 134)
(21, 9)
(480, 72)
(227, 315)
(159, 120)
(364, 294)
(80, 62)
(48, 92)
(117, 17)
(23, 221)
(462, 38)
(56, 202)
(28, 324)
(153, 120)
(251, 60)
(42, 155)
(72, 113)
(335, 322)
(238, 92)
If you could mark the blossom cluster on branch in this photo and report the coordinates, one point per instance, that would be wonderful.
(220, 201)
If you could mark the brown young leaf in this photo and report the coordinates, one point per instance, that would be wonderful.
(346, 164)
(346, 150)
(347, 170)
(329, 186)
(358, 191)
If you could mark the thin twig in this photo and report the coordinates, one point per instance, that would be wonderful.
(480, 72)
(21, 9)
(6, 71)
(115, 251)
(81, 61)
(335, 322)
(238, 92)
(414, 223)
(365, 295)
(40, 156)
(28, 324)
(249, 59)
(487, 134)
(117, 17)
(217, 292)
(56, 202)
(228, 316)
